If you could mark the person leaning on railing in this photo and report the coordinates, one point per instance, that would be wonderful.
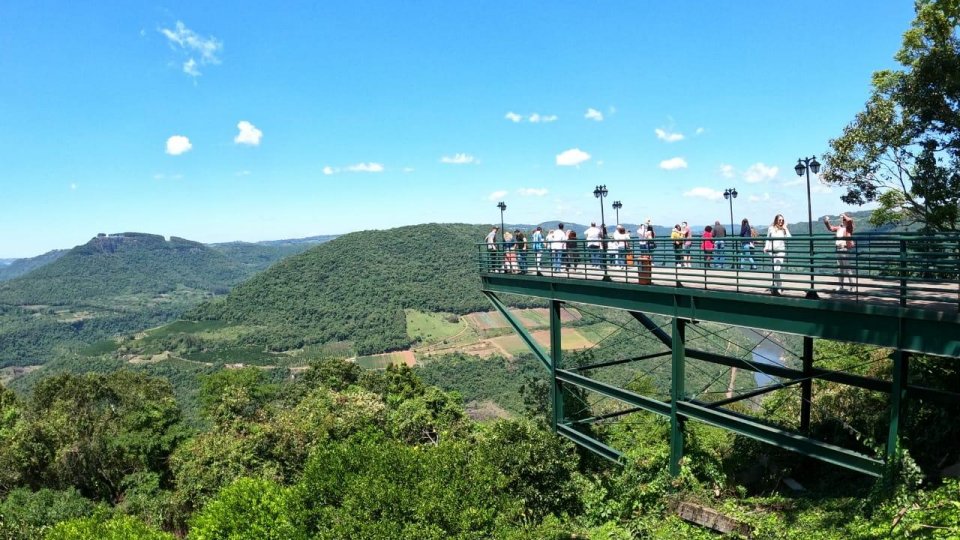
(746, 244)
(845, 246)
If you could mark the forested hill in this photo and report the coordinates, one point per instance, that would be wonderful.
(20, 267)
(356, 287)
(124, 264)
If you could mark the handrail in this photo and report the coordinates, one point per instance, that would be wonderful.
(908, 269)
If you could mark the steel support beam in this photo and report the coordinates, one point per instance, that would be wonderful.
(677, 393)
(806, 387)
(783, 439)
(556, 356)
(521, 331)
(626, 396)
(590, 443)
(901, 370)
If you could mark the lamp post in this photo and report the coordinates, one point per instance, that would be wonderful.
(730, 194)
(617, 205)
(502, 207)
(600, 192)
(806, 165)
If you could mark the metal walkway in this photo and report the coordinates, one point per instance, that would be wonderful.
(902, 293)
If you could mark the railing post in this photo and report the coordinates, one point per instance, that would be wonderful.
(806, 387)
(677, 391)
(903, 272)
(556, 388)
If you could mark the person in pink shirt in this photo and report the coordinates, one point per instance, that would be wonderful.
(707, 246)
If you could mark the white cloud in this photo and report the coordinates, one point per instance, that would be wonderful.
(536, 118)
(190, 68)
(192, 44)
(704, 193)
(365, 167)
(759, 198)
(513, 117)
(700, 131)
(459, 159)
(817, 187)
(532, 192)
(328, 170)
(673, 163)
(572, 157)
(244, 173)
(408, 169)
(496, 195)
(73, 186)
(178, 144)
(727, 171)
(758, 172)
(667, 136)
(249, 134)
(593, 114)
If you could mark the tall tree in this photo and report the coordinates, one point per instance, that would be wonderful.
(903, 150)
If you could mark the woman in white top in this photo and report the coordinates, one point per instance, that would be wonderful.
(776, 246)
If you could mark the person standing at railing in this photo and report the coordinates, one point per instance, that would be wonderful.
(708, 246)
(536, 242)
(492, 263)
(687, 243)
(557, 241)
(746, 244)
(571, 256)
(521, 241)
(592, 236)
(719, 234)
(509, 253)
(777, 247)
(677, 236)
(621, 240)
(845, 245)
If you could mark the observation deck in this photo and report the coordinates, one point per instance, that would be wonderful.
(899, 291)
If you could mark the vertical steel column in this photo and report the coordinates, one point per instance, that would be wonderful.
(556, 388)
(806, 387)
(677, 393)
(901, 369)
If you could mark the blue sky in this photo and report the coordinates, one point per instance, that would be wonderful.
(219, 121)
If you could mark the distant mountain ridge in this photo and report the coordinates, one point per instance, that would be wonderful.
(18, 267)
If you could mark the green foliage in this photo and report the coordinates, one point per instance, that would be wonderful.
(480, 379)
(92, 431)
(381, 489)
(247, 509)
(20, 267)
(357, 287)
(907, 140)
(101, 527)
(27, 514)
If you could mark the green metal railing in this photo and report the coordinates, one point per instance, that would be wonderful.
(912, 270)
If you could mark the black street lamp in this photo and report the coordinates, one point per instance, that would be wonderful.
(502, 207)
(730, 194)
(617, 205)
(806, 165)
(600, 192)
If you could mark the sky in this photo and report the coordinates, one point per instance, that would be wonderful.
(221, 121)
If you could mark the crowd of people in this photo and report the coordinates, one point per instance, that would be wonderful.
(560, 250)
